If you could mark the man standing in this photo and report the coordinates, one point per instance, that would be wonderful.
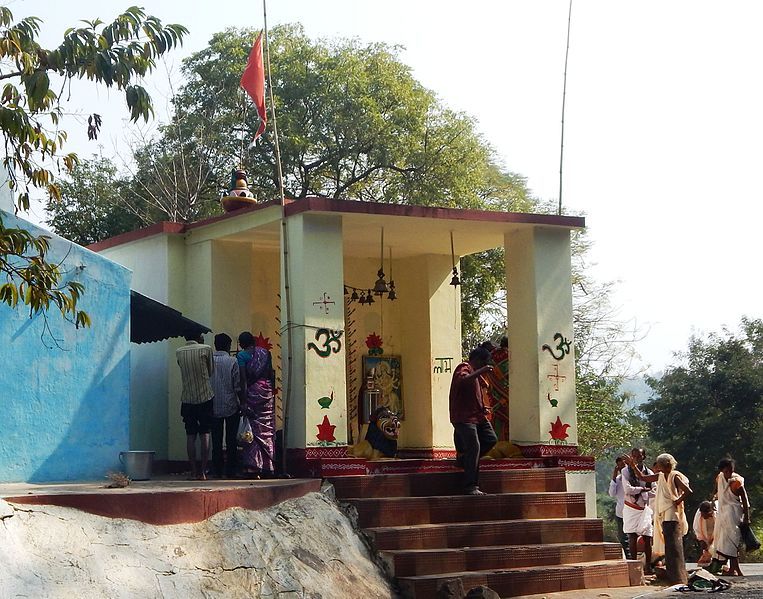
(473, 433)
(617, 492)
(733, 510)
(196, 366)
(637, 515)
(226, 385)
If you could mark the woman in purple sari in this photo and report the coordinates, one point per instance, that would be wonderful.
(258, 378)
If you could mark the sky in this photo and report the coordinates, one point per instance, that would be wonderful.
(663, 124)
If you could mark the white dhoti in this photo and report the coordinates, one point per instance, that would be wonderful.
(638, 521)
(728, 537)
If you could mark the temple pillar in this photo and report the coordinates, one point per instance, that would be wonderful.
(541, 360)
(430, 341)
(315, 339)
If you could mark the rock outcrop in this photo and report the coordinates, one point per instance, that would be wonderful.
(301, 548)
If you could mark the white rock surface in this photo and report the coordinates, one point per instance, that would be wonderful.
(303, 548)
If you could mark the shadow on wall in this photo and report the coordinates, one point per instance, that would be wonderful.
(66, 410)
(91, 437)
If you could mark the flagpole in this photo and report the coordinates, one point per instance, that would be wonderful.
(564, 99)
(286, 398)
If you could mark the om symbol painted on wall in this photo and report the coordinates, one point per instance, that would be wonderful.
(330, 342)
(564, 347)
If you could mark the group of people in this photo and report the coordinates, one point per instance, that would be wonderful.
(220, 389)
(651, 517)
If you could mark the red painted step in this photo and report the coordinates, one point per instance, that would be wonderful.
(487, 533)
(448, 483)
(392, 511)
(422, 562)
(525, 581)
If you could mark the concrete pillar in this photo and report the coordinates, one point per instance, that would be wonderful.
(542, 360)
(317, 410)
(430, 342)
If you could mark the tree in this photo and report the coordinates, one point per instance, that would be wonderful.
(353, 124)
(92, 206)
(113, 55)
(710, 405)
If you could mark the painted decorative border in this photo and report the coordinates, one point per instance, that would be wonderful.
(426, 454)
(542, 451)
(315, 453)
(311, 463)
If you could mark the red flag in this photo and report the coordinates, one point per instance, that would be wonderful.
(253, 83)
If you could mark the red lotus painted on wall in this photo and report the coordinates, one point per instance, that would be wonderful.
(326, 430)
(558, 430)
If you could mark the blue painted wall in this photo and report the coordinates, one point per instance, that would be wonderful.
(64, 392)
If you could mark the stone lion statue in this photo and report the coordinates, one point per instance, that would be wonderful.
(381, 436)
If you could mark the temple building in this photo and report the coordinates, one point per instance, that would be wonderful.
(344, 292)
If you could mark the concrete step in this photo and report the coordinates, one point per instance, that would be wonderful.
(513, 582)
(422, 562)
(487, 533)
(448, 483)
(396, 511)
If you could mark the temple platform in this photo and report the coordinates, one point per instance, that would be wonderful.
(163, 500)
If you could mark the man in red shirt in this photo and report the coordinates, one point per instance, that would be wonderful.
(473, 435)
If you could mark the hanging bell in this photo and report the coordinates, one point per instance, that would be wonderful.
(455, 281)
(380, 286)
(392, 295)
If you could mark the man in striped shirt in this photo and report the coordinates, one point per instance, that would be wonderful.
(196, 366)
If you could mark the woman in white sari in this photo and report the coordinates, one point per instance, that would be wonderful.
(733, 510)
(670, 524)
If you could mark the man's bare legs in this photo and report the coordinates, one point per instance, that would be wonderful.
(204, 438)
(190, 446)
(191, 450)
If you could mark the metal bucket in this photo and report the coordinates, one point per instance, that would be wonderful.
(138, 464)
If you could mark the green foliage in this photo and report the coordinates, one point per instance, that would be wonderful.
(113, 55)
(711, 406)
(353, 124)
(31, 280)
(604, 421)
(92, 204)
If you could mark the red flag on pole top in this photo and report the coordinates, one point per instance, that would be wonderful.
(253, 83)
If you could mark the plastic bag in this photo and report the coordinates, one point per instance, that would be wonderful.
(244, 435)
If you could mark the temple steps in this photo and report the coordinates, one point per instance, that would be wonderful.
(425, 562)
(525, 581)
(487, 533)
(449, 483)
(527, 535)
(389, 511)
